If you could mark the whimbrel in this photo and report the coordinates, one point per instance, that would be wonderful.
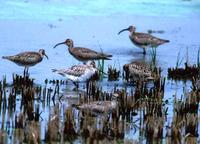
(83, 54)
(78, 73)
(27, 59)
(143, 40)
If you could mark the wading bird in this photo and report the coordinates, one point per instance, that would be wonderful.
(27, 59)
(138, 71)
(99, 107)
(78, 73)
(83, 54)
(143, 40)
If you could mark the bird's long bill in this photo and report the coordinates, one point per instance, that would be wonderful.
(46, 56)
(58, 44)
(123, 30)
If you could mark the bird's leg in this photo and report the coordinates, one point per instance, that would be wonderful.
(76, 85)
(24, 71)
(144, 51)
(27, 71)
(87, 86)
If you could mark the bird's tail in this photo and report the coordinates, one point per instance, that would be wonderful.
(106, 56)
(58, 72)
(54, 70)
(162, 41)
(166, 41)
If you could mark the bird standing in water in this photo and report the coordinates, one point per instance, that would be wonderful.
(138, 71)
(27, 59)
(83, 54)
(78, 73)
(143, 40)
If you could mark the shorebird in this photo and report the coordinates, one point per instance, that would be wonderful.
(27, 59)
(83, 54)
(99, 107)
(143, 40)
(138, 70)
(78, 73)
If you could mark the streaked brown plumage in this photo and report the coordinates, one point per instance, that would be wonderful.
(98, 106)
(27, 59)
(143, 40)
(83, 54)
(138, 70)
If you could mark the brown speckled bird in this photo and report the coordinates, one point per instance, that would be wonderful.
(98, 107)
(138, 70)
(143, 40)
(83, 54)
(27, 59)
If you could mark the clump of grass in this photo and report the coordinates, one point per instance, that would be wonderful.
(20, 81)
(52, 133)
(19, 121)
(185, 118)
(32, 133)
(101, 68)
(113, 74)
(188, 72)
(149, 101)
(101, 64)
(69, 131)
(178, 61)
(153, 57)
(3, 137)
(154, 127)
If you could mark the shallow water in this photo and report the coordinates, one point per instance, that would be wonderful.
(31, 25)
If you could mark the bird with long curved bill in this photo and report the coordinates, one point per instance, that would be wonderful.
(143, 40)
(83, 54)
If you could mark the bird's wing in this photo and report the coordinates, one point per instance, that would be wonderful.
(27, 57)
(86, 53)
(146, 39)
(76, 70)
(139, 68)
